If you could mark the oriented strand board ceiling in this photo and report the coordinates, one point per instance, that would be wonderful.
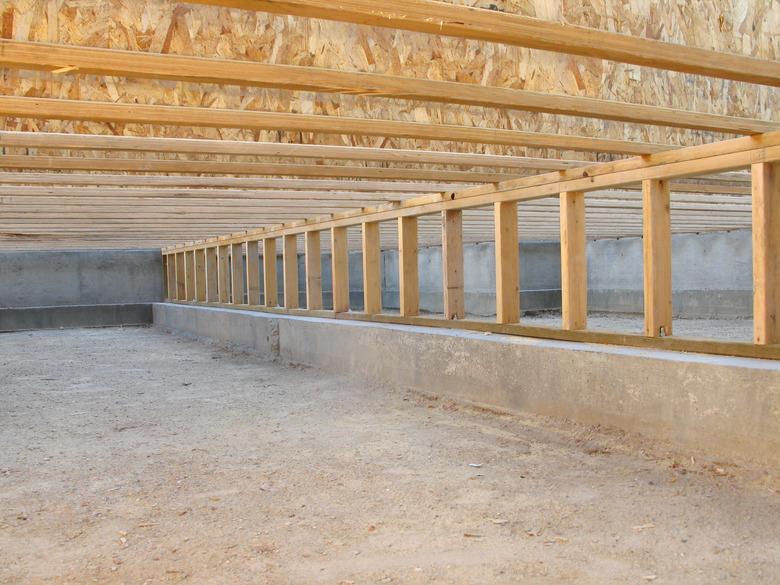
(283, 128)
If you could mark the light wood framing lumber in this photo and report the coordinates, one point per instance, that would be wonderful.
(444, 18)
(372, 268)
(181, 291)
(408, 272)
(242, 168)
(137, 64)
(452, 264)
(97, 142)
(223, 284)
(59, 109)
(269, 272)
(766, 253)
(574, 261)
(340, 269)
(691, 161)
(313, 262)
(507, 262)
(200, 275)
(252, 273)
(212, 275)
(657, 256)
(290, 271)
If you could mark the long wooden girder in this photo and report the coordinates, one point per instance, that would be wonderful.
(111, 62)
(691, 161)
(61, 141)
(57, 109)
(443, 18)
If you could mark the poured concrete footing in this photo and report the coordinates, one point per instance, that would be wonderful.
(725, 407)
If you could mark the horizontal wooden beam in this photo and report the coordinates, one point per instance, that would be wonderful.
(180, 181)
(444, 18)
(56, 109)
(107, 194)
(51, 163)
(61, 141)
(137, 64)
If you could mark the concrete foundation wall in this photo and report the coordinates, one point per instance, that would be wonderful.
(712, 275)
(725, 407)
(79, 277)
(78, 288)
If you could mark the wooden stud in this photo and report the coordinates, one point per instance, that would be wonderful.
(223, 273)
(313, 271)
(408, 277)
(452, 263)
(200, 275)
(212, 275)
(189, 275)
(574, 261)
(171, 276)
(252, 273)
(372, 268)
(657, 238)
(269, 272)
(766, 253)
(507, 262)
(237, 274)
(290, 271)
(180, 277)
(340, 269)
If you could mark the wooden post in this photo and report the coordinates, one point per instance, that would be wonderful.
(507, 262)
(408, 277)
(766, 253)
(574, 261)
(200, 275)
(165, 276)
(181, 293)
(290, 271)
(269, 272)
(189, 275)
(340, 269)
(452, 263)
(252, 273)
(212, 276)
(222, 270)
(171, 276)
(237, 274)
(313, 271)
(372, 266)
(657, 229)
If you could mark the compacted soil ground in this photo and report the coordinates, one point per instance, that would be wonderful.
(134, 456)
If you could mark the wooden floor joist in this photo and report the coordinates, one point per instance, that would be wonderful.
(97, 142)
(182, 181)
(136, 64)
(56, 109)
(444, 18)
(72, 163)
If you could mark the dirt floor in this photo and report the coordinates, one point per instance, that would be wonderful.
(133, 456)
